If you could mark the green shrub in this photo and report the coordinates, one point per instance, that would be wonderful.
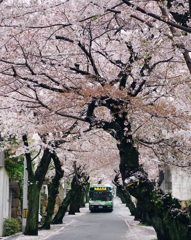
(10, 226)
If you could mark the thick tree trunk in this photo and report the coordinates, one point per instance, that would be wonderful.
(76, 200)
(126, 198)
(82, 199)
(52, 192)
(87, 193)
(120, 194)
(161, 210)
(129, 158)
(33, 210)
(72, 208)
(35, 183)
(154, 207)
(63, 208)
(129, 163)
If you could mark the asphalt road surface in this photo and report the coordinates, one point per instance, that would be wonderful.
(99, 226)
(94, 226)
(116, 225)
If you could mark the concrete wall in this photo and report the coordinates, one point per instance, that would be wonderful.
(181, 184)
(177, 181)
(166, 176)
(4, 197)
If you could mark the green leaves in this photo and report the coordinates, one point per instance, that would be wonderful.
(95, 17)
(14, 166)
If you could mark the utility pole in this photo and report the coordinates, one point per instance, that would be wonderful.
(25, 196)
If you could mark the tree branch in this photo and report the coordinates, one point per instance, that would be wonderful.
(170, 23)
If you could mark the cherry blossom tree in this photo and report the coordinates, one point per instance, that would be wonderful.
(100, 40)
(116, 65)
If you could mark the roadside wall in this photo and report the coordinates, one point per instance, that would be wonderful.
(177, 181)
(181, 184)
(4, 197)
(15, 208)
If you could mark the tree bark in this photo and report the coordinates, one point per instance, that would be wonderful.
(160, 210)
(52, 192)
(82, 199)
(35, 183)
(33, 210)
(153, 207)
(75, 202)
(63, 208)
(129, 158)
(126, 198)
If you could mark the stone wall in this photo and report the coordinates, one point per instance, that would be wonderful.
(15, 198)
(44, 199)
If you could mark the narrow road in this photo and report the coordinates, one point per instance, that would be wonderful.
(94, 226)
(99, 226)
(116, 225)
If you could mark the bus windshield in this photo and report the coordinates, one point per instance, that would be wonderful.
(99, 195)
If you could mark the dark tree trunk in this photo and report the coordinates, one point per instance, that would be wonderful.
(63, 208)
(35, 184)
(87, 193)
(120, 194)
(84, 195)
(74, 196)
(129, 163)
(129, 158)
(126, 198)
(161, 210)
(82, 199)
(33, 210)
(75, 202)
(79, 196)
(52, 192)
(153, 207)
(73, 208)
(78, 185)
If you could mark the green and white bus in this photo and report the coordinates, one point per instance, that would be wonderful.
(101, 198)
